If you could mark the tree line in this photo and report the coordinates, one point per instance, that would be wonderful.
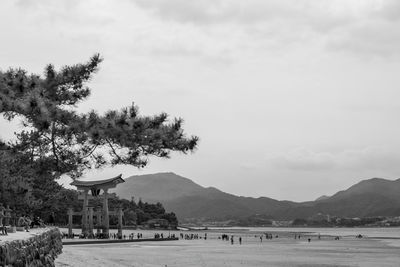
(57, 140)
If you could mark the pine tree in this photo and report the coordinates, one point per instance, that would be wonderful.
(59, 140)
(16, 179)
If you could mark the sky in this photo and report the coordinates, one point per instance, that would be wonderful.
(291, 99)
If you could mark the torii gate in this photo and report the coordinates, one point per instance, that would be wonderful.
(87, 212)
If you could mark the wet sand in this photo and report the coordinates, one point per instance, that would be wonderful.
(282, 251)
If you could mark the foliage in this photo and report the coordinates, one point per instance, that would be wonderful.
(29, 193)
(353, 222)
(66, 142)
(54, 201)
(145, 211)
(340, 222)
(15, 179)
(255, 220)
(299, 222)
(58, 140)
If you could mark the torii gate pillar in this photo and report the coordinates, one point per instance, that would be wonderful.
(106, 221)
(90, 229)
(99, 222)
(70, 213)
(120, 214)
(85, 228)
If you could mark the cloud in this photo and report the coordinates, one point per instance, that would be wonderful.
(179, 51)
(207, 12)
(29, 4)
(182, 11)
(363, 28)
(367, 28)
(371, 158)
(379, 37)
(372, 32)
(66, 11)
(248, 166)
(304, 160)
(389, 10)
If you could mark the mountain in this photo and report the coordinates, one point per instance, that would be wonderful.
(190, 200)
(324, 197)
(373, 197)
(159, 187)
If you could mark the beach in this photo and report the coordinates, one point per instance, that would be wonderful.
(281, 251)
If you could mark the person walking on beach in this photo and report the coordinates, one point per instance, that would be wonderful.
(240, 240)
(260, 238)
(232, 239)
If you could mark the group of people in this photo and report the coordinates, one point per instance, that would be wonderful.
(131, 236)
(267, 236)
(4, 230)
(37, 222)
(27, 222)
(138, 236)
(193, 236)
(158, 236)
(103, 236)
(298, 236)
(226, 237)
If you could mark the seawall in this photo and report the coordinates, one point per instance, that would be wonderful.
(38, 250)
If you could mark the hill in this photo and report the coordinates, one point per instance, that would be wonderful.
(190, 200)
(373, 197)
(159, 187)
(324, 197)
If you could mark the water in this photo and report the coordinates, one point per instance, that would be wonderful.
(372, 232)
(215, 232)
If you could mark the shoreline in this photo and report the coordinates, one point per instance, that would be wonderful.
(67, 242)
(213, 252)
(380, 233)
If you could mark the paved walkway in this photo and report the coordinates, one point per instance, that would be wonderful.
(22, 235)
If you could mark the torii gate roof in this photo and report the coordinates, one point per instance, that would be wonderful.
(107, 183)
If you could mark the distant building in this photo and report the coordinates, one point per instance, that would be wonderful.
(281, 223)
(157, 224)
(319, 217)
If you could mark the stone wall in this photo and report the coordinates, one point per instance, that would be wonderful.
(40, 250)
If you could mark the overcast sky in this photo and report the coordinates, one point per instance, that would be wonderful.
(291, 99)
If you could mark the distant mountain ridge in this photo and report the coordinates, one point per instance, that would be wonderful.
(373, 197)
(324, 197)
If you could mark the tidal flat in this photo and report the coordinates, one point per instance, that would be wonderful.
(281, 251)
